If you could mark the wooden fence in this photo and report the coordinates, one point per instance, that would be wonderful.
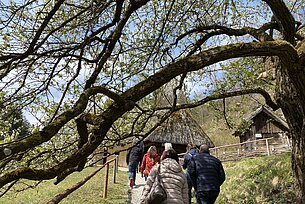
(252, 148)
(68, 191)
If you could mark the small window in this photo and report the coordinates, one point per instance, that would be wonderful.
(258, 136)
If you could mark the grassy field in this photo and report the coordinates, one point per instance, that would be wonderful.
(89, 193)
(262, 180)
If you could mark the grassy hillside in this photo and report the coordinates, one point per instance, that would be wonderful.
(259, 180)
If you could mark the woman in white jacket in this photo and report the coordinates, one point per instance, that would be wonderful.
(173, 179)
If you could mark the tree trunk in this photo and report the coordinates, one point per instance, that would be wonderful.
(289, 98)
(298, 166)
(298, 152)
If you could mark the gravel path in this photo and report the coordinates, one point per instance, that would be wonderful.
(136, 192)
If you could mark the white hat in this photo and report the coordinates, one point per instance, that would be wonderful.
(168, 146)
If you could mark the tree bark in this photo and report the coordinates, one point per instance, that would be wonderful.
(289, 98)
(297, 127)
(298, 166)
(293, 116)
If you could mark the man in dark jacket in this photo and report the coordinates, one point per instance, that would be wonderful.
(133, 158)
(192, 150)
(207, 175)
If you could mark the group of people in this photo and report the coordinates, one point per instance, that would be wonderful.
(136, 159)
(204, 172)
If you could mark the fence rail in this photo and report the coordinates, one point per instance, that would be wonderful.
(251, 148)
(70, 190)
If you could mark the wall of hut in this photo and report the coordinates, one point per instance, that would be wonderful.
(264, 127)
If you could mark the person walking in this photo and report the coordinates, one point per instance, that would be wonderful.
(192, 150)
(133, 158)
(207, 175)
(172, 178)
(149, 160)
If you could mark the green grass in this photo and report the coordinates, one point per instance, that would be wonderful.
(260, 180)
(91, 192)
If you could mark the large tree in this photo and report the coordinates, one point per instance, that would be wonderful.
(89, 71)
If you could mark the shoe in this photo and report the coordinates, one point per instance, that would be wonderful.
(131, 183)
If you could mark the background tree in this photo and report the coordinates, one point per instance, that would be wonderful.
(13, 124)
(86, 66)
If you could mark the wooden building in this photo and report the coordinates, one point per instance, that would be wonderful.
(179, 129)
(262, 124)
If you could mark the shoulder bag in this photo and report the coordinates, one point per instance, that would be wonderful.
(157, 192)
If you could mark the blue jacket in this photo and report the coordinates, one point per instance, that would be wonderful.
(206, 172)
(188, 156)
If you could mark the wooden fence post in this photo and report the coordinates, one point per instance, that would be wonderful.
(288, 142)
(117, 164)
(267, 146)
(106, 181)
(115, 168)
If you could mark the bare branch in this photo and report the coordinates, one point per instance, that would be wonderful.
(214, 30)
(218, 96)
(114, 39)
(284, 19)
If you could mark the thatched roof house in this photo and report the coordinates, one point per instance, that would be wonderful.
(179, 129)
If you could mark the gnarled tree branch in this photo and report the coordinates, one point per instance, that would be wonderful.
(284, 19)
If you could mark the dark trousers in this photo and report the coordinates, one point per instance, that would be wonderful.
(190, 185)
(190, 195)
(206, 197)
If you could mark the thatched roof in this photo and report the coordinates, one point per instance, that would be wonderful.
(180, 128)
